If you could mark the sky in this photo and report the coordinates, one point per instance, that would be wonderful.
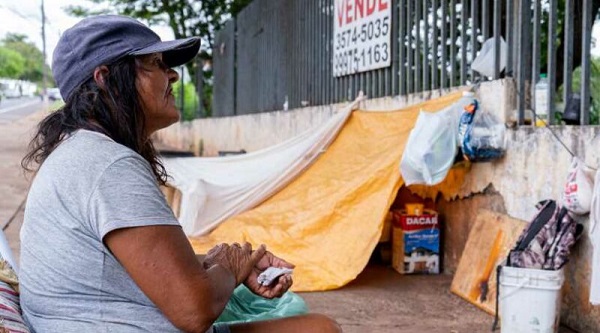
(24, 17)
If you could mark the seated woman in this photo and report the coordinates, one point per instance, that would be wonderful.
(101, 251)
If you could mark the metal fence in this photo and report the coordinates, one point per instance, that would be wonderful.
(278, 54)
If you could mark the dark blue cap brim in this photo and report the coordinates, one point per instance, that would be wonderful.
(175, 52)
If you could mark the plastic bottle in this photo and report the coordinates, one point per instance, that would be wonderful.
(541, 100)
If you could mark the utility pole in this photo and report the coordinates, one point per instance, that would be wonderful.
(44, 78)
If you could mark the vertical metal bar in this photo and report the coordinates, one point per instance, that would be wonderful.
(568, 40)
(536, 54)
(418, 86)
(443, 69)
(350, 87)
(585, 62)
(425, 45)
(434, 49)
(368, 86)
(305, 50)
(552, 23)
(463, 43)
(400, 47)
(335, 79)
(407, 44)
(312, 64)
(361, 83)
(328, 26)
(310, 42)
(524, 48)
(509, 37)
(485, 30)
(375, 81)
(262, 76)
(354, 87)
(298, 68)
(329, 23)
(318, 66)
(347, 87)
(382, 82)
(497, 13)
(395, 52)
(322, 55)
(293, 90)
(453, 24)
(388, 80)
(474, 34)
(373, 87)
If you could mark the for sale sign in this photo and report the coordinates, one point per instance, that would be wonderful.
(361, 35)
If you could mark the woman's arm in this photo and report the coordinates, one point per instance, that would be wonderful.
(162, 263)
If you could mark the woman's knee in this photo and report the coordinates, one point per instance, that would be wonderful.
(324, 323)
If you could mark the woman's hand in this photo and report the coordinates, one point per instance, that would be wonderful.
(276, 289)
(239, 260)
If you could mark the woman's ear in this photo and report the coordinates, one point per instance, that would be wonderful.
(100, 74)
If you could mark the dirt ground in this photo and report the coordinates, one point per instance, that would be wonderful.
(378, 301)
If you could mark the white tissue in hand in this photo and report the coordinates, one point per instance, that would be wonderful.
(270, 274)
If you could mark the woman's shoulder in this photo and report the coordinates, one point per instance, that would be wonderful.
(98, 144)
(91, 150)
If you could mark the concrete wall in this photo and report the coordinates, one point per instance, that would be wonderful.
(206, 137)
(534, 168)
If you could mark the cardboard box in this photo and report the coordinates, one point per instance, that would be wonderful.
(416, 243)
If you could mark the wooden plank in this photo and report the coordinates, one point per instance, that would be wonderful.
(490, 239)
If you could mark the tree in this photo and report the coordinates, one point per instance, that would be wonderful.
(32, 56)
(12, 64)
(186, 18)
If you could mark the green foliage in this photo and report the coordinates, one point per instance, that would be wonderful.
(190, 100)
(31, 55)
(12, 64)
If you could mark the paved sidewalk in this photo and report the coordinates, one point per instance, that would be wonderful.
(14, 183)
(14, 138)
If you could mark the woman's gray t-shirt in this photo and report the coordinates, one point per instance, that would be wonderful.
(69, 280)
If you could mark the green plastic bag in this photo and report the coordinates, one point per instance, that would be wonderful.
(245, 306)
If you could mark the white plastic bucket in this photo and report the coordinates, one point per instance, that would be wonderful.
(530, 300)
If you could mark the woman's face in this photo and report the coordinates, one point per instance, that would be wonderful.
(154, 83)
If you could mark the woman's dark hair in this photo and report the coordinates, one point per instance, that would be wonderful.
(114, 110)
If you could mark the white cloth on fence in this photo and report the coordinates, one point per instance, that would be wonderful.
(216, 188)
(594, 234)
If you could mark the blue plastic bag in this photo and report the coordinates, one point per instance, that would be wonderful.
(480, 134)
(245, 306)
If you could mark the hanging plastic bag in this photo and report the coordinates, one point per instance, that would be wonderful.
(577, 195)
(484, 62)
(431, 147)
(245, 306)
(481, 134)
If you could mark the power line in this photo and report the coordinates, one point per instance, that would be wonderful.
(21, 15)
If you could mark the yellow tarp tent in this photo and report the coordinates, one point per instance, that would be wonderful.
(328, 220)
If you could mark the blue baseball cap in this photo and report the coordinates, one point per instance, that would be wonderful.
(104, 39)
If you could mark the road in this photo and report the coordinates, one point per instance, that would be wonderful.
(12, 109)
